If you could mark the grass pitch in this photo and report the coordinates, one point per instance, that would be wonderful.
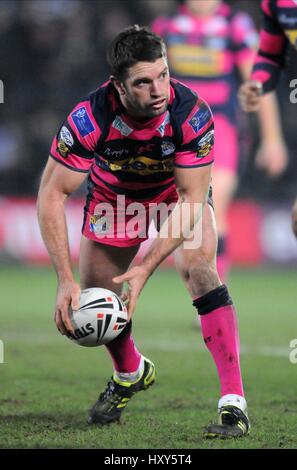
(48, 383)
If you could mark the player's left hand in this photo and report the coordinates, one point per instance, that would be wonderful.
(273, 157)
(136, 278)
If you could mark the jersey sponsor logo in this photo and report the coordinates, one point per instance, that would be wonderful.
(166, 121)
(200, 118)
(66, 136)
(121, 126)
(205, 145)
(115, 153)
(82, 121)
(141, 165)
(292, 35)
(168, 148)
(287, 20)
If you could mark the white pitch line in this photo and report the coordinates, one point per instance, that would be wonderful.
(167, 345)
(245, 349)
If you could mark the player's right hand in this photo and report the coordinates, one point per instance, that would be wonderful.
(249, 95)
(68, 294)
(136, 278)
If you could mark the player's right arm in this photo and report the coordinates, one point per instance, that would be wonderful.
(71, 157)
(57, 183)
(268, 63)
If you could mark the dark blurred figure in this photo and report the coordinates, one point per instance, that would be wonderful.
(278, 33)
(49, 48)
(210, 47)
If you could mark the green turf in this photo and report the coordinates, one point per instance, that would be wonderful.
(48, 383)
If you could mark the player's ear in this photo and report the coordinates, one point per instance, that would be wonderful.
(119, 86)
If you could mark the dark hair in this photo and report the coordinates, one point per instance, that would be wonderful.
(132, 45)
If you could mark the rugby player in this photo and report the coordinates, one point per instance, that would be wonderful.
(150, 139)
(278, 32)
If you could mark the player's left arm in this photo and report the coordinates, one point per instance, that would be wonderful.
(267, 64)
(272, 154)
(192, 186)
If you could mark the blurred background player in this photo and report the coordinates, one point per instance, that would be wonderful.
(279, 31)
(209, 44)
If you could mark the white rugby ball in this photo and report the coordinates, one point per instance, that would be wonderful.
(101, 317)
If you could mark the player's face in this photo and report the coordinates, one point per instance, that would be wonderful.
(146, 90)
(202, 7)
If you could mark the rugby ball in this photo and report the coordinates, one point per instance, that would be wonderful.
(101, 317)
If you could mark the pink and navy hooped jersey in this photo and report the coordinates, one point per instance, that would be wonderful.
(124, 156)
(279, 29)
(204, 53)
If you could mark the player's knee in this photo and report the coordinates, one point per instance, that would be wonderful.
(202, 274)
(216, 298)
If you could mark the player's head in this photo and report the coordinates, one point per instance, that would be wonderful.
(139, 71)
(202, 7)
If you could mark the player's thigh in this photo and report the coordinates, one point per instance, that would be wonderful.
(197, 266)
(99, 263)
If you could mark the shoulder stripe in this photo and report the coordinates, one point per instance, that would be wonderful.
(68, 166)
(193, 166)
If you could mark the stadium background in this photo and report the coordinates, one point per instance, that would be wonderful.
(52, 53)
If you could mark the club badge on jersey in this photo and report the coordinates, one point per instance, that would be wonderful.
(65, 142)
(205, 145)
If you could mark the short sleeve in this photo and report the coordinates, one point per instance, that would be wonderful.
(197, 138)
(75, 142)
